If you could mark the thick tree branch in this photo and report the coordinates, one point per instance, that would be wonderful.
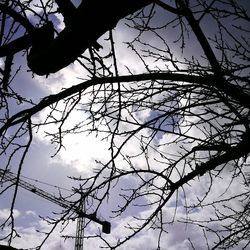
(17, 17)
(4, 247)
(49, 100)
(168, 7)
(91, 20)
(67, 8)
(39, 39)
(242, 149)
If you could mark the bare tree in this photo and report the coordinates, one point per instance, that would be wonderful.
(184, 106)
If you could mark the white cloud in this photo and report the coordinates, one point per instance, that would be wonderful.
(29, 212)
(1, 62)
(5, 213)
(81, 152)
(29, 237)
(36, 6)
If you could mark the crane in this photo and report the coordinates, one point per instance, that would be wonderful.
(106, 226)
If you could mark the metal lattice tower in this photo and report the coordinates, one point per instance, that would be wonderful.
(106, 226)
(79, 234)
(80, 227)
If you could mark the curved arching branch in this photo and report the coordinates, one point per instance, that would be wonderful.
(208, 80)
(49, 100)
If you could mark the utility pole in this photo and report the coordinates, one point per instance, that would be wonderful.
(106, 226)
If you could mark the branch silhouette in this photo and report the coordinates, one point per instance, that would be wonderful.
(84, 26)
(47, 101)
(176, 125)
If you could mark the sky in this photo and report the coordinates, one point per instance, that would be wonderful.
(79, 157)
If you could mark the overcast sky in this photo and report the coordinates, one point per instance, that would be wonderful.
(79, 157)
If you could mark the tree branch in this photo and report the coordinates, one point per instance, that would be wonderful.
(81, 33)
(49, 100)
(168, 7)
(242, 149)
(67, 8)
(221, 83)
(17, 17)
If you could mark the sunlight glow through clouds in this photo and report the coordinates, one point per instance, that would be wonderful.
(80, 150)
(81, 153)
(65, 78)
